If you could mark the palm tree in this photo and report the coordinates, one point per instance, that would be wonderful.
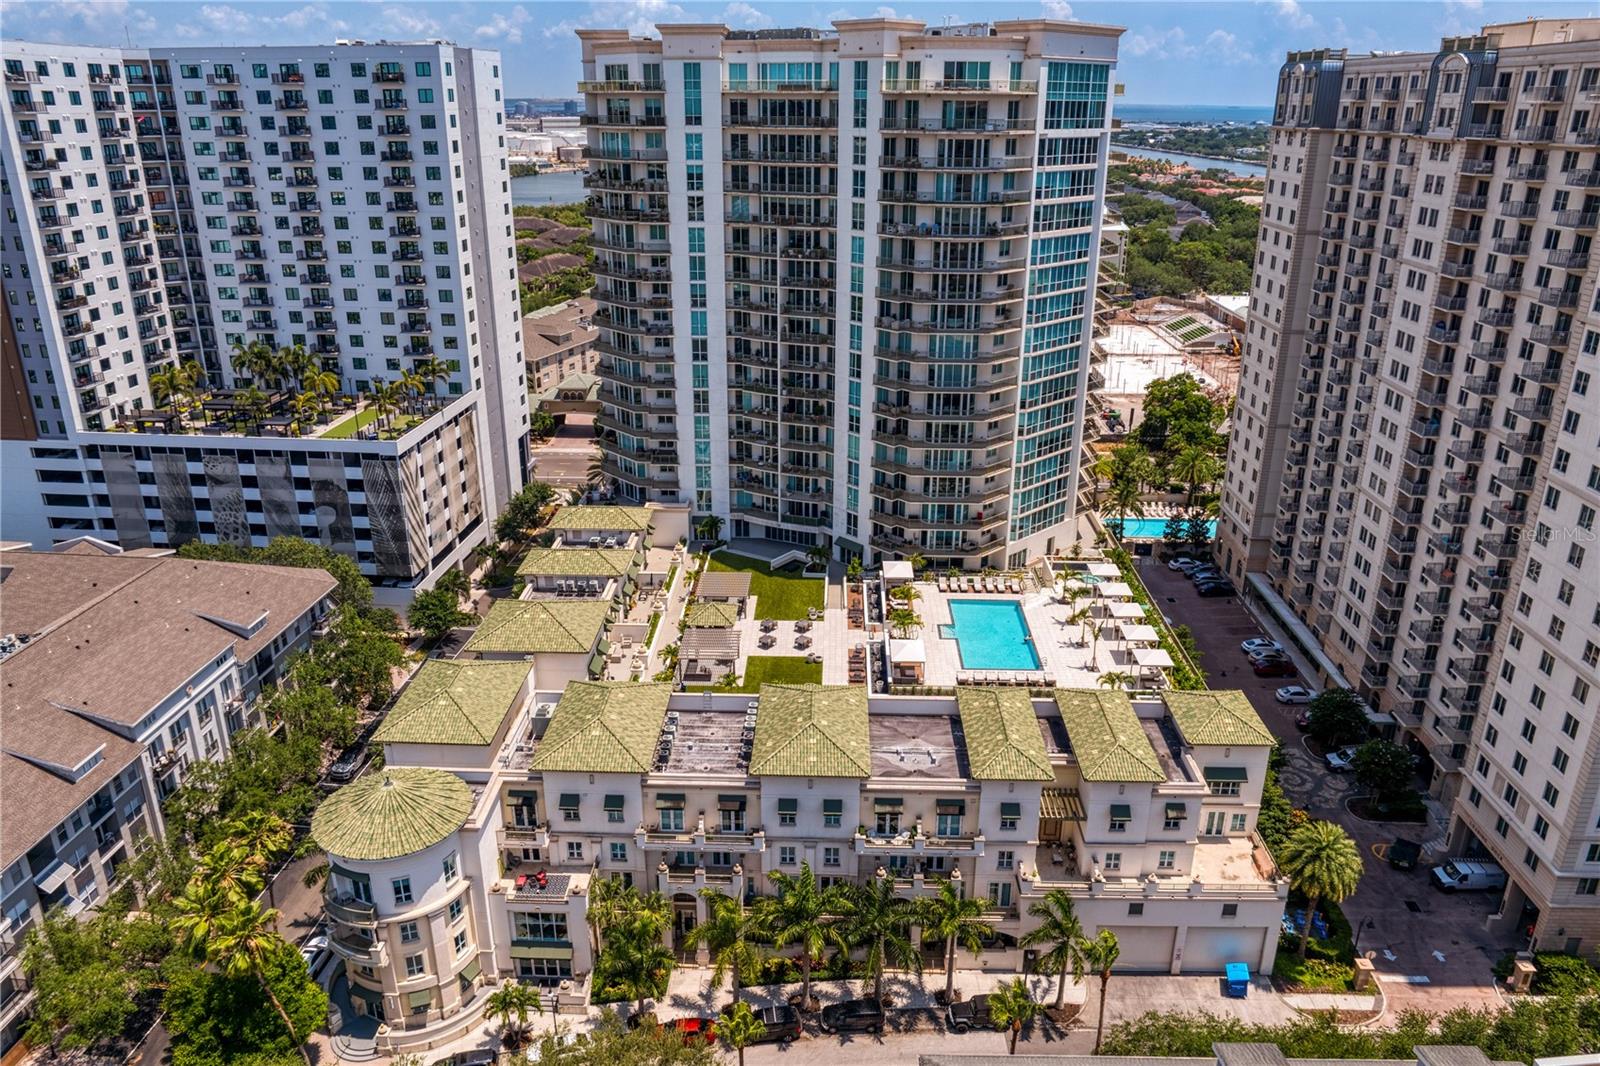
(166, 385)
(1321, 862)
(234, 870)
(639, 962)
(306, 408)
(727, 935)
(1012, 1006)
(801, 914)
(1125, 501)
(740, 1028)
(879, 921)
(262, 833)
(414, 384)
(295, 363)
(1117, 680)
(1099, 956)
(1196, 467)
(905, 594)
(237, 937)
(251, 360)
(1059, 928)
(382, 398)
(918, 563)
(818, 556)
(903, 620)
(955, 919)
(709, 527)
(321, 384)
(1092, 627)
(607, 905)
(511, 1003)
(433, 370)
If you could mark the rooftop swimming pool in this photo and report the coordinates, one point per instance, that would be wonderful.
(1152, 528)
(991, 635)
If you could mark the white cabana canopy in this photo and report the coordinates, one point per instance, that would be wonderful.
(1151, 657)
(1114, 590)
(897, 572)
(1125, 609)
(908, 651)
(1138, 632)
(1105, 570)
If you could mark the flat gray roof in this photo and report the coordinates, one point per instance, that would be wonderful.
(917, 745)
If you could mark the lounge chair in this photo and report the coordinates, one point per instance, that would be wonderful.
(940, 583)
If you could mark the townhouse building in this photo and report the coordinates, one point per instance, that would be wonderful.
(1143, 811)
(844, 277)
(1413, 476)
(179, 209)
(121, 671)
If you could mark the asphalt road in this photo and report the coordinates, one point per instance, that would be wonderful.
(563, 460)
(1401, 917)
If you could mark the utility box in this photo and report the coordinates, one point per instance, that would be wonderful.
(1366, 975)
(1521, 977)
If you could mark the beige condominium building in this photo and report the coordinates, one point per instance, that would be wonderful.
(1413, 475)
(471, 856)
(846, 276)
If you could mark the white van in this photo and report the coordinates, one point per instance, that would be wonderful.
(1468, 875)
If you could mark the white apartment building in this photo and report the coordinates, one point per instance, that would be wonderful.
(1414, 472)
(845, 277)
(168, 207)
(121, 671)
(472, 854)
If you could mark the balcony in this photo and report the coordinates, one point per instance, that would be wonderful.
(1568, 259)
(1577, 219)
(359, 949)
(348, 910)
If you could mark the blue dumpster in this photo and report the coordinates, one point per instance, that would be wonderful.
(1238, 979)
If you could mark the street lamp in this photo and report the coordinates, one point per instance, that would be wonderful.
(1365, 923)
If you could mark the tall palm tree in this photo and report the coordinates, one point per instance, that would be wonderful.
(904, 620)
(1115, 679)
(233, 869)
(1124, 501)
(511, 1003)
(1012, 1006)
(801, 914)
(382, 398)
(740, 1028)
(727, 934)
(1196, 467)
(262, 833)
(249, 361)
(879, 921)
(1059, 929)
(237, 937)
(607, 906)
(294, 363)
(414, 385)
(709, 527)
(166, 386)
(1092, 627)
(306, 408)
(1099, 956)
(955, 919)
(640, 963)
(433, 370)
(321, 384)
(1321, 862)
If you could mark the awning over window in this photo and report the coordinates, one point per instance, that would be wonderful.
(613, 802)
(1226, 773)
(522, 795)
(833, 806)
(366, 995)
(887, 803)
(423, 998)
(1011, 810)
(55, 877)
(569, 801)
(669, 800)
(540, 951)
(1177, 811)
(788, 806)
(1121, 812)
(730, 803)
(348, 875)
(952, 806)
(471, 972)
(597, 664)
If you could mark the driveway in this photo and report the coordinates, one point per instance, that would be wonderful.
(563, 460)
(1400, 917)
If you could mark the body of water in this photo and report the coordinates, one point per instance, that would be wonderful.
(1244, 170)
(1153, 528)
(991, 635)
(1191, 113)
(556, 187)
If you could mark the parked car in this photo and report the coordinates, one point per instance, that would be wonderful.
(968, 1014)
(1294, 694)
(1274, 668)
(1302, 720)
(695, 1029)
(853, 1016)
(1403, 854)
(1342, 759)
(1182, 563)
(482, 1057)
(1207, 572)
(314, 949)
(782, 1022)
(1468, 875)
(1260, 644)
(1217, 588)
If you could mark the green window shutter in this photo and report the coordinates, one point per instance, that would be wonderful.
(887, 803)
(423, 998)
(471, 972)
(1011, 810)
(730, 803)
(1121, 812)
(1177, 811)
(949, 806)
(1226, 773)
(669, 801)
(788, 806)
(569, 801)
(833, 806)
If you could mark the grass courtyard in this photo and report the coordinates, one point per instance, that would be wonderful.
(782, 595)
(771, 670)
(398, 424)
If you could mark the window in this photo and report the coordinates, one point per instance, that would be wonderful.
(832, 813)
(536, 925)
(1587, 886)
(830, 856)
(1010, 817)
(613, 808)
(452, 869)
(1135, 910)
(887, 823)
(574, 851)
(1166, 860)
(402, 889)
(409, 933)
(788, 810)
(456, 910)
(1121, 815)
(1000, 893)
(1113, 861)
(415, 966)
(619, 851)
(461, 941)
(569, 807)
(1237, 823)
(1005, 860)
(671, 818)
(948, 825)
(786, 855)
(1230, 910)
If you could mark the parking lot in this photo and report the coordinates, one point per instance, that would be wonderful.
(1430, 947)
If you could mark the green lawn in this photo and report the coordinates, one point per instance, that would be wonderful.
(363, 418)
(771, 670)
(782, 595)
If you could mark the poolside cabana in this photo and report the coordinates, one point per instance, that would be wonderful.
(1121, 609)
(907, 661)
(1138, 633)
(1109, 570)
(1151, 660)
(1114, 590)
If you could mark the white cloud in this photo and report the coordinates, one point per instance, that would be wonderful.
(638, 17)
(741, 15)
(506, 26)
(231, 21)
(1057, 9)
(1291, 14)
(406, 23)
(1226, 47)
(1167, 44)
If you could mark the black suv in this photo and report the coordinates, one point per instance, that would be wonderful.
(968, 1014)
(782, 1022)
(853, 1016)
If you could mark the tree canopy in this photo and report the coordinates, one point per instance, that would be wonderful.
(1214, 257)
(353, 590)
(1179, 415)
(435, 612)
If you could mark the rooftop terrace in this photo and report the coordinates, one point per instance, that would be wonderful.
(918, 746)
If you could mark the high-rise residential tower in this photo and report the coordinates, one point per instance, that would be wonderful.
(1414, 476)
(845, 277)
(184, 207)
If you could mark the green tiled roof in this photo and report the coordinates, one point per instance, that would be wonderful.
(577, 562)
(711, 615)
(394, 812)
(812, 731)
(604, 727)
(459, 701)
(600, 516)
(1217, 718)
(527, 626)
(1003, 738)
(1106, 736)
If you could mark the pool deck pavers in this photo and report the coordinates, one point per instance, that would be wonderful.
(1058, 644)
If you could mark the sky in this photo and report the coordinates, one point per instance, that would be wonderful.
(1172, 52)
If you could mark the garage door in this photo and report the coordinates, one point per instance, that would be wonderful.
(1145, 949)
(1209, 950)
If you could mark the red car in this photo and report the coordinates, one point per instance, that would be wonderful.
(695, 1030)
(1274, 668)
